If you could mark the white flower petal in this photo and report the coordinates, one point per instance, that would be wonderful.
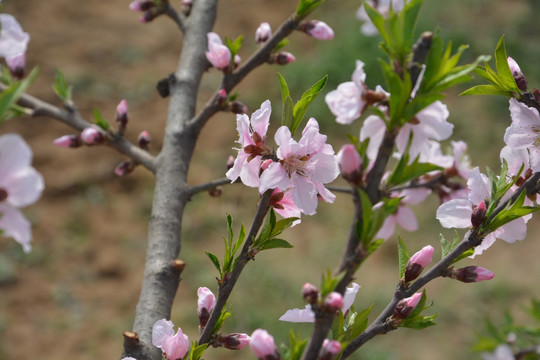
(299, 315)
(455, 213)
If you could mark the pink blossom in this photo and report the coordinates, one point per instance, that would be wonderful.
(262, 344)
(307, 315)
(13, 40)
(383, 6)
(348, 102)
(174, 346)
(283, 204)
(319, 30)
(68, 141)
(524, 132)
(218, 54)
(263, 33)
(252, 141)
(235, 341)
(20, 186)
(205, 305)
(350, 163)
(470, 274)
(303, 167)
(404, 216)
(457, 213)
(92, 135)
(333, 301)
(405, 307)
(329, 350)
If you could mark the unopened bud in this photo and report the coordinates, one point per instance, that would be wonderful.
(310, 292)
(68, 141)
(149, 15)
(235, 341)
(230, 162)
(121, 115)
(329, 350)
(317, 29)
(238, 107)
(144, 139)
(470, 274)
(405, 307)
(478, 215)
(333, 302)
(205, 305)
(141, 5)
(16, 65)
(215, 192)
(221, 97)
(263, 33)
(283, 58)
(263, 346)
(350, 164)
(417, 263)
(237, 60)
(124, 168)
(520, 79)
(92, 136)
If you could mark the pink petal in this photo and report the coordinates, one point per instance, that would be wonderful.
(299, 315)
(23, 187)
(373, 128)
(345, 102)
(304, 194)
(274, 177)
(479, 186)
(388, 227)
(455, 213)
(161, 330)
(13, 40)
(15, 154)
(406, 219)
(349, 296)
(260, 119)
(15, 225)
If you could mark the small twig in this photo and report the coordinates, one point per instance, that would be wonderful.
(376, 173)
(177, 17)
(228, 284)
(74, 119)
(381, 325)
(209, 185)
(341, 189)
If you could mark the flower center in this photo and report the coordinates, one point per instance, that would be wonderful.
(3, 194)
(295, 164)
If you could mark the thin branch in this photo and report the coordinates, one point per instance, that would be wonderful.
(376, 173)
(177, 17)
(381, 324)
(209, 185)
(74, 119)
(228, 284)
(341, 189)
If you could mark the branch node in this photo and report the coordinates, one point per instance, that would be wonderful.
(179, 265)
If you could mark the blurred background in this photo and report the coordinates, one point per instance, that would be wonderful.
(75, 293)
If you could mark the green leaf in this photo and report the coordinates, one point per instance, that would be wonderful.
(234, 45)
(406, 172)
(307, 6)
(196, 351)
(486, 90)
(214, 260)
(378, 21)
(296, 347)
(410, 15)
(100, 121)
(419, 322)
(62, 90)
(222, 317)
(330, 282)
(274, 244)
(306, 99)
(404, 257)
(287, 118)
(374, 246)
(503, 70)
(359, 324)
(9, 97)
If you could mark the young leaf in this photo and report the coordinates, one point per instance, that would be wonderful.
(196, 351)
(403, 257)
(100, 121)
(287, 118)
(274, 244)
(405, 172)
(419, 322)
(503, 70)
(378, 21)
(10, 96)
(307, 6)
(222, 317)
(234, 46)
(307, 98)
(214, 260)
(359, 324)
(486, 90)
(296, 347)
(61, 89)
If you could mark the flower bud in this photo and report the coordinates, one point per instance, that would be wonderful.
(263, 346)
(144, 139)
(317, 29)
(350, 164)
(205, 304)
(405, 307)
(417, 263)
(175, 347)
(124, 168)
(218, 54)
(310, 292)
(237, 107)
(329, 350)
(263, 33)
(141, 5)
(68, 141)
(221, 97)
(520, 79)
(333, 302)
(92, 136)
(230, 162)
(121, 115)
(283, 58)
(16, 65)
(478, 215)
(235, 341)
(470, 274)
